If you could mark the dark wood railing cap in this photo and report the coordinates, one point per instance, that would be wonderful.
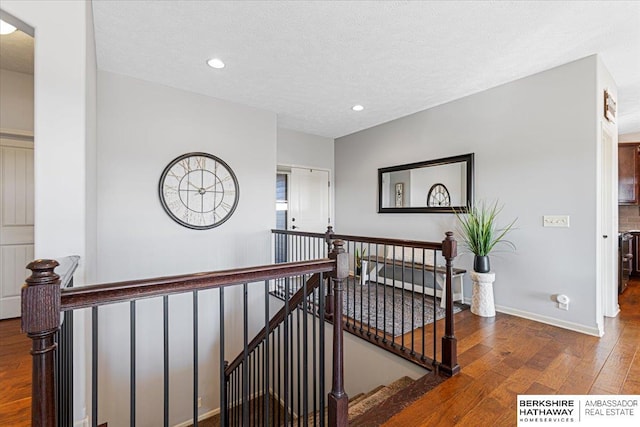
(42, 272)
(449, 246)
(342, 260)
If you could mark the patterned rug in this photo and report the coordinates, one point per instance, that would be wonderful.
(374, 304)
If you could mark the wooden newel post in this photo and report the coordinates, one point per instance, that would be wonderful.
(41, 320)
(449, 364)
(338, 399)
(328, 304)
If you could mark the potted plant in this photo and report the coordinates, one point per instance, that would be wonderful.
(480, 234)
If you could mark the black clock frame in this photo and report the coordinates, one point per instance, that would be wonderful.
(186, 224)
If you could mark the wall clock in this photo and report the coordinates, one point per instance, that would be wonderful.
(438, 196)
(198, 190)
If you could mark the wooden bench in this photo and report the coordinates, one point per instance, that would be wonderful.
(384, 270)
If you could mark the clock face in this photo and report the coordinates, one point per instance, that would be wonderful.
(198, 190)
(438, 196)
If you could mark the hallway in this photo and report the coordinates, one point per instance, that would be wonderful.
(500, 358)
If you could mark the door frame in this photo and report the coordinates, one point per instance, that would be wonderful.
(286, 169)
(21, 139)
(607, 225)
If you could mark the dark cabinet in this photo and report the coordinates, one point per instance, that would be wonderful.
(628, 174)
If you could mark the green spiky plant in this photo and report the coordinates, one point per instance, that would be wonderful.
(479, 231)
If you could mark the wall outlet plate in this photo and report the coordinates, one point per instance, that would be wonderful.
(555, 221)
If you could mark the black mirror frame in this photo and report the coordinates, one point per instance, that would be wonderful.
(464, 158)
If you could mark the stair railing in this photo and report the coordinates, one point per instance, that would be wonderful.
(43, 300)
(394, 288)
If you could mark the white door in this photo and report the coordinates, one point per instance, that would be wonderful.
(309, 200)
(16, 220)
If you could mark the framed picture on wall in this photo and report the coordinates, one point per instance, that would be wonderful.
(399, 195)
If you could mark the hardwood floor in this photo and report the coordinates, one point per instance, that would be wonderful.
(500, 358)
(15, 375)
(506, 356)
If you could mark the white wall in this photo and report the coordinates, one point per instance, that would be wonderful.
(535, 145)
(303, 149)
(62, 126)
(16, 101)
(142, 127)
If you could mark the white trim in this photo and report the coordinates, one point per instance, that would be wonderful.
(201, 417)
(594, 331)
(16, 142)
(82, 423)
(16, 132)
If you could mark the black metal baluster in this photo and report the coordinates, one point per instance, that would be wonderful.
(424, 284)
(245, 357)
(286, 357)
(314, 360)
(279, 376)
(305, 355)
(355, 318)
(365, 274)
(252, 389)
(435, 327)
(165, 317)
(265, 389)
(195, 359)
(393, 300)
(357, 285)
(321, 348)
(298, 362)
(132, 359)
(402, 300)
(384, 297)
(376, 285)
(94, 366)
(224, 402)
(413, 298)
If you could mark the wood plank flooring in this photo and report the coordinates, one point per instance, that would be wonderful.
(15, 375)
(506, 356)
(500, 358)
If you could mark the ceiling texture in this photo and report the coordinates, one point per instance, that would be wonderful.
(16, 52)
(311, 61)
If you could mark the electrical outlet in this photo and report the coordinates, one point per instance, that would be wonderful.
(199, 402)
(555, 221)
(563, 302)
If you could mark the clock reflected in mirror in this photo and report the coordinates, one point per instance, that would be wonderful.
(198, 191)
(438, 196)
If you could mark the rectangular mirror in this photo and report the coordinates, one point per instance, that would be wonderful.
(433, 186)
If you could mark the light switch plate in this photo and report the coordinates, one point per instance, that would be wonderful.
(555, 221)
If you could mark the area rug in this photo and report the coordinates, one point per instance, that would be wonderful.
(374, 304)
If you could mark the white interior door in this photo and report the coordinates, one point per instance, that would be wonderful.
(16, 220)
(309, 200)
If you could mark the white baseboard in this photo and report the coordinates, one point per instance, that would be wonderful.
(201, 417)
(595, 331)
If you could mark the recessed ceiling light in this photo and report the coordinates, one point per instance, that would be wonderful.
(357, 107)
(6, 28)
(215, 63)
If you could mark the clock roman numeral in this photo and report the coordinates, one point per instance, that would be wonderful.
(201, 162)
(186, 165)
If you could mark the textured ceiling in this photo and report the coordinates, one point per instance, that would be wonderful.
(310, 61)
(16, 52)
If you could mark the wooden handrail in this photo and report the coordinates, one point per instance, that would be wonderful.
(364, 239)
(96, 295)
(276, 320)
